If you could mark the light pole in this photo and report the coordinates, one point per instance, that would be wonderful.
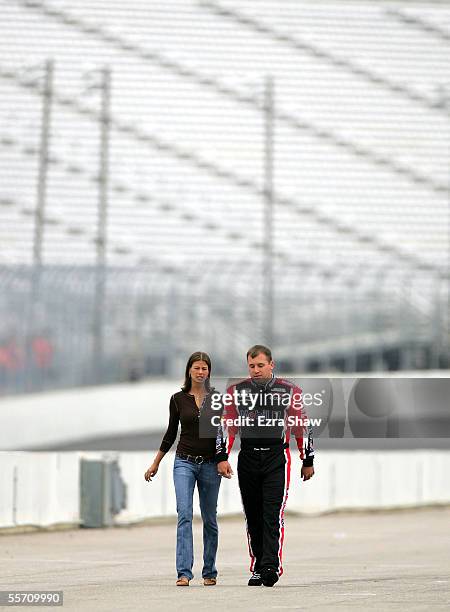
(39, 220)
(268, 295)
(102, 221)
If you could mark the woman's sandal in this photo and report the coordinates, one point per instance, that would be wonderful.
(209, 581)
(183, 581)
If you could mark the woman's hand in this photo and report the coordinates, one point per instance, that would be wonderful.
(152, 471)
(224, 469)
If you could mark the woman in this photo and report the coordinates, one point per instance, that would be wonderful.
(194, 463)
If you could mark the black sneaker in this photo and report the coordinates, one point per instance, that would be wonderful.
(269, 576)
(255, 580)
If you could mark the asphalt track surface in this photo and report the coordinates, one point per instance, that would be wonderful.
(355, 561)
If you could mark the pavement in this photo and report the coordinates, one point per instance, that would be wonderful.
(398, 560)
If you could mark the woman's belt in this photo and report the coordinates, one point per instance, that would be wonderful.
(198, 459)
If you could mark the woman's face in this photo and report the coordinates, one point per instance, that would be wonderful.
(199, 371)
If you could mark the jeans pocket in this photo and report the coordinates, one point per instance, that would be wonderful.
(179, 462)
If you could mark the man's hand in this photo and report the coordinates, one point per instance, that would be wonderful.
(224, 469)
(307, 472)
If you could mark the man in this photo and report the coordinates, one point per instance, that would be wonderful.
(264, 410)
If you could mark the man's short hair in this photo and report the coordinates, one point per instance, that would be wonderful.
(254, 351)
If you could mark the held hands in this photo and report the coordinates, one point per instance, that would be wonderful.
(152, 470)
(307, 472)
(224, 469)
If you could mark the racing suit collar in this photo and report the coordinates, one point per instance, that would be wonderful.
(263, 385)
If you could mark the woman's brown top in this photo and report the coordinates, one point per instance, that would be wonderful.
(194, 440)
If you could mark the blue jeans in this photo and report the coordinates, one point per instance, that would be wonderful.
(185, 475)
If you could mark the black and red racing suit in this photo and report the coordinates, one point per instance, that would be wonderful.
(264, 415)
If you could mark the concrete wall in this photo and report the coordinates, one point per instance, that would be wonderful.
(39, 489)
(42, 489)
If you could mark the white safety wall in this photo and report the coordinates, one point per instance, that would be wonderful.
(39, 489)
(42, 489)
(344, 480)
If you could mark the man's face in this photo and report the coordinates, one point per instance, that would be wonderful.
(260, 367)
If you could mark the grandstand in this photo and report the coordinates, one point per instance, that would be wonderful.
(212, 173)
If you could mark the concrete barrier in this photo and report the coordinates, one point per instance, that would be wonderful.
(39, 489)
(42, 489)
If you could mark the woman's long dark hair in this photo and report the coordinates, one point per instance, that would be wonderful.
(197, 356)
